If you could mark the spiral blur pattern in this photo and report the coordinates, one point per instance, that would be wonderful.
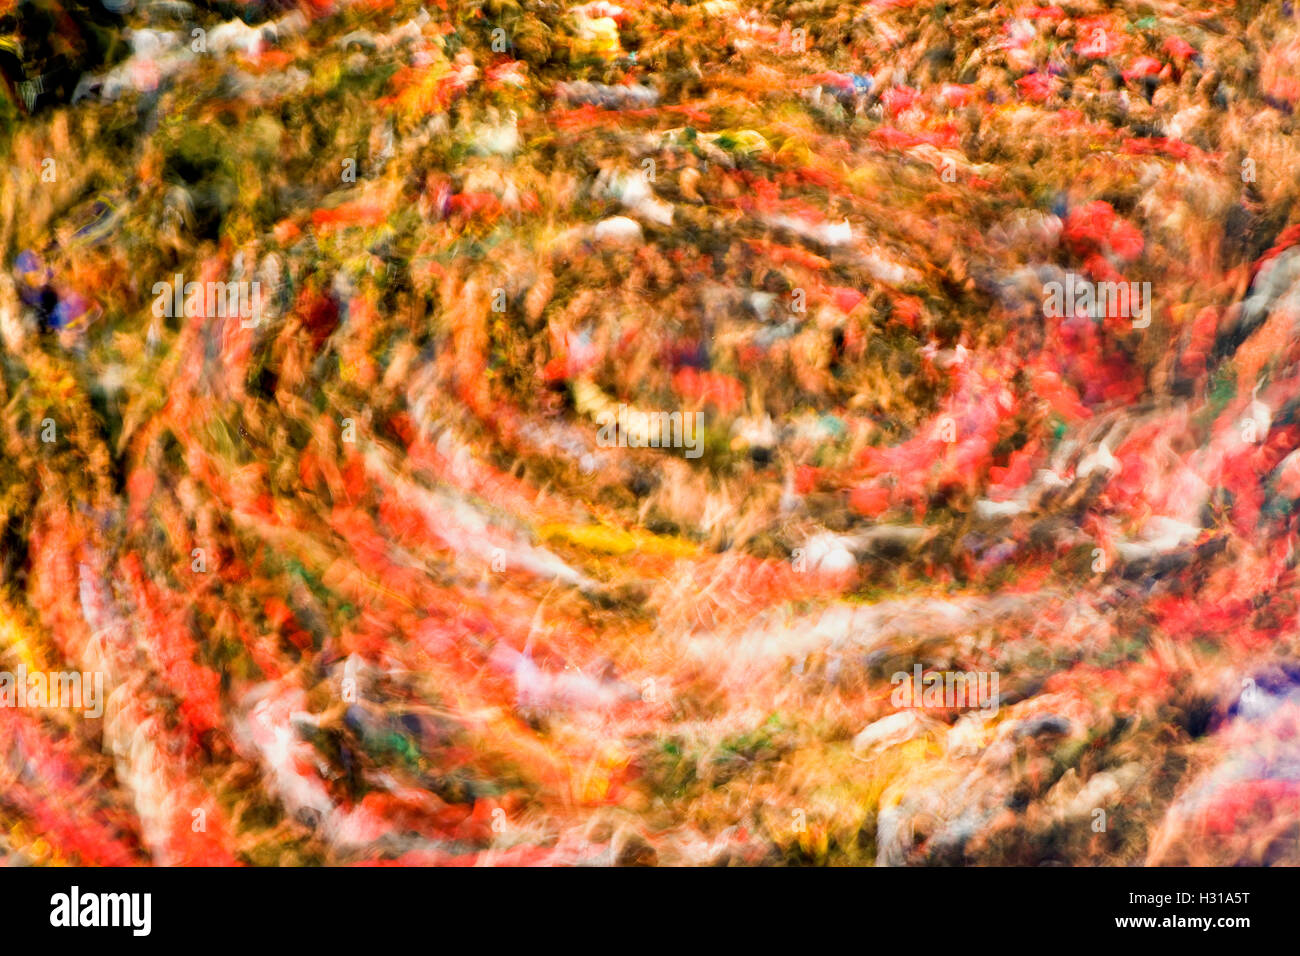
(365, 584)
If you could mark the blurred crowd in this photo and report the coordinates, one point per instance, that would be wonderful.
(366, 585)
